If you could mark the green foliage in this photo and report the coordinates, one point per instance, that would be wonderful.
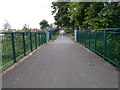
(68, 30)
(113, 46)
(6, 48)
(110, 15)
(6, 25)
(77, 13)
(25, 28)
(86, 15)
(44, 24)
(51, 26)
(55, 35)
(62, 18)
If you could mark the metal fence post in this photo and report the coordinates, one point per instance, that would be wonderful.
(75, 35)
(42, 37)
(105, 40)
(31, 41)
(13, 47)
(39, 38)
(45, 38)
(89, 39)
(85, 37)
(95, 42)
(49, 35)
(80, 36)
(35, 40)
(24, 44)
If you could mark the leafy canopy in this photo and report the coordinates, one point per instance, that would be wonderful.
(86, 15)
(43, 24)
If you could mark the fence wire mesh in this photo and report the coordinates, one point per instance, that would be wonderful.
(15, 45)
(104, 42)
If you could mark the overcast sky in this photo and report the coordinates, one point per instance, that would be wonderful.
(20, 12)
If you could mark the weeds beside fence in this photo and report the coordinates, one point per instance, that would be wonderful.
(16, 45)
(104, 42)
(54, 33)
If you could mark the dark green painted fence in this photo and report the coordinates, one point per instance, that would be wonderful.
(16, 45)
(104, 42)
(53, 33)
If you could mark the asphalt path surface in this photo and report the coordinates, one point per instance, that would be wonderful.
(61, 64)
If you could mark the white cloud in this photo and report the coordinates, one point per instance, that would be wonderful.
(20, 12)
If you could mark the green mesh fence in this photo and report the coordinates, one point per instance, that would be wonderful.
(27, 43)
(104, 42)
(18, 40)
(113, 47)
(16, 45)
(7, 55)
(100, 42)
(37, 39)
(33, 41)
(54, 34)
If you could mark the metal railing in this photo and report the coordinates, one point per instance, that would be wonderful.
(53, 33)
(104, 42)
(16, 45)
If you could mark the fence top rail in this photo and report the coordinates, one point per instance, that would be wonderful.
(20, 32)
(104, 29)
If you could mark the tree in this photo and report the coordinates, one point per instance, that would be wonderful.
(110, 15)
(62, 18)
(6, 25)
(43, 24)
(87, 15)
(77, 13)
(26, 28)
(51, 26)
(92, 18)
